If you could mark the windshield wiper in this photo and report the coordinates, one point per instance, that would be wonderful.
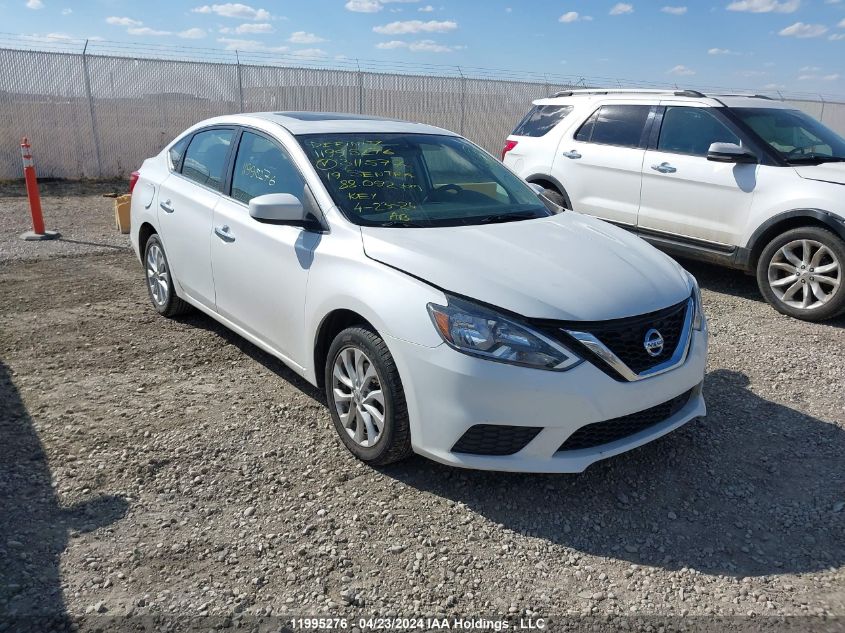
(801, 160)
(504, 217)
(399, 224)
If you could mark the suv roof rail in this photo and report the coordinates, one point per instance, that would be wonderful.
(740, 94)
(607, 91)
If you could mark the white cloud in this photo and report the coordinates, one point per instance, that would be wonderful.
(145, 30)
(416, 26)
(34, 4)
(234, 10)
(301, 37)
(568, 17)
(814, 77)
(192, 34)
(310, 52)
(426, 9)
(841, 25)
(810, 69)
(117, 21)
(260, 27)
(364, 6)
(232, 44)
(765, 6)
(419, 46)
(508, 10)
(799, 29)
(674, 10)
(836, 37)
(68, 12)
(392, 44)
(721, 51)
(681, 70)
(622, 8)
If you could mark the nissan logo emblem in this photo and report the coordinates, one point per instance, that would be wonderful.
(653, 342)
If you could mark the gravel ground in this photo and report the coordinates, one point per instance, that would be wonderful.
(158, 467)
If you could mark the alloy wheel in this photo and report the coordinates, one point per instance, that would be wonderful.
(805, 274)
(358, 396)
(157, 275)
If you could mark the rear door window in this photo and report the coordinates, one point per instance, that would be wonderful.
(619, 125)
(541, 119)
(177, 152)
(206, 156)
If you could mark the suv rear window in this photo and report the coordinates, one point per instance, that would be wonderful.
(620, 125)
(541, 119)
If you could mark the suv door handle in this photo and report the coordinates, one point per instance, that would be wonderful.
(571, 154)
(166, 206)
(223, 233)
(664, 168)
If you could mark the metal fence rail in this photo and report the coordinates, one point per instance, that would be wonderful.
(99, 114)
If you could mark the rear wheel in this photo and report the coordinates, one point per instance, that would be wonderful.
(800, 273)
(366, 398)
(160, 280)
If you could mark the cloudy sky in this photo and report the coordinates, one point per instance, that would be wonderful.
(790, 45)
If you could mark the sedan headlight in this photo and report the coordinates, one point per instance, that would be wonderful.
(698, 316)
(480, 331)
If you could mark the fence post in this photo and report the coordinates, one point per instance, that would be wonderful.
(240, 81)
(360, 88)
(821, 114)
(94, 131)
(546, 90)
(463, 98)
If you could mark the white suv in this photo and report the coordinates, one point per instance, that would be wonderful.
(440, 304)
(741, 181)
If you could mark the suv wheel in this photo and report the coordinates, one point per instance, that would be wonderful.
(160, 280)
(366, 398)
(800, 273)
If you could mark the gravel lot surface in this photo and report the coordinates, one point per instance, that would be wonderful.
(158, 467)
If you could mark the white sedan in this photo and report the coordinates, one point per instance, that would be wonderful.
(442, 305)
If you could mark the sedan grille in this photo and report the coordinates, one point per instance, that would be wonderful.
(495, 439)
(609, 431)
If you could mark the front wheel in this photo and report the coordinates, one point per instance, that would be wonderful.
(365, 397)
(800, 273)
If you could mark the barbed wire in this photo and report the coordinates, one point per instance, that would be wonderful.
(250, 56)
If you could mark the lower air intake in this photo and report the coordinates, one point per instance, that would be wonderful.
(495, 439)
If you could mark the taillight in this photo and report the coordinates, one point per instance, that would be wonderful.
(133, 179)
(509, 145)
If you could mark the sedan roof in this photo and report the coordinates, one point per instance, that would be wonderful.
(298, 123)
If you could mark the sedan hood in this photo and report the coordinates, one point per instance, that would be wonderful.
(565, 267)
(826, 172)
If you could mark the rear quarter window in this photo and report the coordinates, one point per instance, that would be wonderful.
(541, 119)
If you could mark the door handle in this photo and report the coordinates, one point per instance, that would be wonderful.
(223, 233)
(572, 154)
(664, 168)
(166, 206)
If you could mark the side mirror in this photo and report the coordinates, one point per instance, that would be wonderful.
(280, 208)
(538, 189)
(730, 153)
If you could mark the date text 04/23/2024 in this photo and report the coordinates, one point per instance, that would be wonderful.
(426, 624)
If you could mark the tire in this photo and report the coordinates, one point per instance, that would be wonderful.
(159, 280)
(556, 197)
(797, 254)
(393, 442)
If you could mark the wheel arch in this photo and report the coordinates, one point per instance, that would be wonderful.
(786, 221)
(145, 231)
(331, 325)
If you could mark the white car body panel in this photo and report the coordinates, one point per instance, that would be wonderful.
(276, 285)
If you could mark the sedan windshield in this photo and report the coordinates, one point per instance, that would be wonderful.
(796, 136)
(418, 181)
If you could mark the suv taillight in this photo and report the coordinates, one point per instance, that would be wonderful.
(133, 179)
(509, 145)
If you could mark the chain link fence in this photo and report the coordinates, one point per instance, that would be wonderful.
(94, 115)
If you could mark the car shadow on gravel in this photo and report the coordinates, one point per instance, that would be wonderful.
(34, 526)
(751, 490)
(735, 283)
